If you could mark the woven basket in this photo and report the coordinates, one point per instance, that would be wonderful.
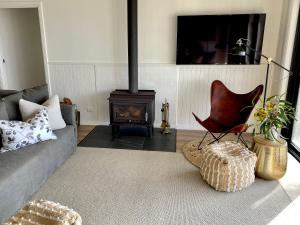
(227, 166)
(44, 212)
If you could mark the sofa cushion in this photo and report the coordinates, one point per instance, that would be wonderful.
(56, 121)
(4, 93)
(3, 115)
(18, 134)
(3, 112)
(12, 106)
(23, 172)
(37, 94)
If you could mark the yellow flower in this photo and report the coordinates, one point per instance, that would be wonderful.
(261, 114)
(270, 106)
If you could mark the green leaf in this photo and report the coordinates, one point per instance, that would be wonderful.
(271, 97)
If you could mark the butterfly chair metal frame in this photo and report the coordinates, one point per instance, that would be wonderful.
(220, 136)
(229, 112)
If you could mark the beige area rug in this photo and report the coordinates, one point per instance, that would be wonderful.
(109, 186)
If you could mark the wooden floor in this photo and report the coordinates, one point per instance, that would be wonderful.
(83, 131)
(183, 136)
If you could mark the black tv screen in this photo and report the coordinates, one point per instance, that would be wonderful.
(211, 39)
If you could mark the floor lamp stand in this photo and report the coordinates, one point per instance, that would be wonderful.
(270, 60)
(266, 82)
(243, 43)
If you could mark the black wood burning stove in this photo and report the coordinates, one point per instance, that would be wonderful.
(127, 109)
(132, 107)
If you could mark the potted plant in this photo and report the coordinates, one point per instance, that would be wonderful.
(269, 145)
(275, 115)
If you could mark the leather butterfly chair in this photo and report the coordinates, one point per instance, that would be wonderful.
(229, 112)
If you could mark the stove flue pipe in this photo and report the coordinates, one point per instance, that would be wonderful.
(132, 23)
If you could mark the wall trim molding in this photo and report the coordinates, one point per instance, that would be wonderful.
(96, 62)
(91, 62)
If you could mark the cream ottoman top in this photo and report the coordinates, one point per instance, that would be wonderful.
(227, 166)
(228, 152)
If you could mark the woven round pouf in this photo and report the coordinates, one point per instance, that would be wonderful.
(191, 152)
(226, 166)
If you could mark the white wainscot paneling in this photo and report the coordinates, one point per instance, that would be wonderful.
(159, 77)
(76, 81)
(194, 88)
(108, 78)
(187, 88)
(163, 79)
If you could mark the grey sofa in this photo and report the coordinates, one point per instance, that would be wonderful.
(22, 172)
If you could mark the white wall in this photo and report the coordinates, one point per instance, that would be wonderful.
(285, 45)
(95, 30)
(87, 48)
(22, 49)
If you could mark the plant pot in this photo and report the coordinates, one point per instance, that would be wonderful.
(272, 135)
(271, 157)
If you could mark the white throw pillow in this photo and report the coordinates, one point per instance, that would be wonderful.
(29, 109)
(18, 134)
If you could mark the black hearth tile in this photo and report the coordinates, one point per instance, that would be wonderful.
(160, 142)
(128, 142)
(101, 137)
(133, 131)
(101, 131)
(96, 143)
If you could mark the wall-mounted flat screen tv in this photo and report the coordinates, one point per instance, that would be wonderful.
(210, 39)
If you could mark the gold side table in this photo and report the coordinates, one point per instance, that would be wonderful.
(271, 157)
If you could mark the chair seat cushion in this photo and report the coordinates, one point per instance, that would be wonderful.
(215, 127)
(227, 166)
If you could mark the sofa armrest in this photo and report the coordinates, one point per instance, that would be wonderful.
(69, 114)
(4, 93)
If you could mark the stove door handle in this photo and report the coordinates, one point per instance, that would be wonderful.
(146, 116)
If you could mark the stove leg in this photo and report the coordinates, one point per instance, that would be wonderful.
(150, 131)
(118, 132)
(115, 131)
